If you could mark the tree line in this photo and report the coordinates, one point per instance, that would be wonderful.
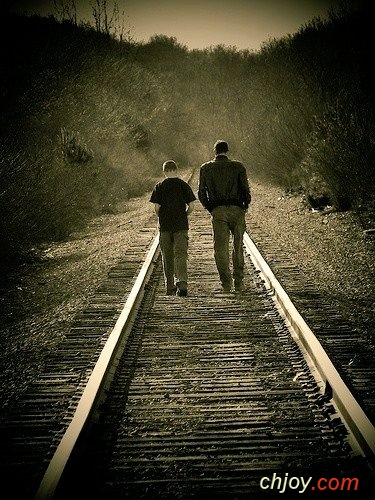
(88, 117)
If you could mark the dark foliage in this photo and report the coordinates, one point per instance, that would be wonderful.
(87, 121)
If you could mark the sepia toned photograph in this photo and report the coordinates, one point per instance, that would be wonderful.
(187, 243)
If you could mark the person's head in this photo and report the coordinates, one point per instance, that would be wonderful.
(221, 147)
(169, 167)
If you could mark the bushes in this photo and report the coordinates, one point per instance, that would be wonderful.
(43, 198)
(312, 126)
(342, 151)
(74, 139)
(88, 121)
(47, 195)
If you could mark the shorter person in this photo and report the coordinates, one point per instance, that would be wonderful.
(173, 201)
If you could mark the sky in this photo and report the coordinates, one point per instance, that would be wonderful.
(198, 24)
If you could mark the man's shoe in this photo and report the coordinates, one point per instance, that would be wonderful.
(171, 291)
(181, 293)
(239, 286)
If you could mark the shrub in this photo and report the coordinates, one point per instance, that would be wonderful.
(341, 151)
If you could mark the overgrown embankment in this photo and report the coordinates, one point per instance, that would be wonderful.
(86, 120)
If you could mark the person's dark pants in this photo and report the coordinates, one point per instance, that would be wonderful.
(227, 221)
(174, 249)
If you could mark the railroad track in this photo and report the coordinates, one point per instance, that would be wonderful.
(154, 396)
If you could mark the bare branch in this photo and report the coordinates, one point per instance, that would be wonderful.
(66, 10)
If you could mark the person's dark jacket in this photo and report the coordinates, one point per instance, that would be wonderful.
(223, 182)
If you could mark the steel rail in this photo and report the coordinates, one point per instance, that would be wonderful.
(352, 414)
(99, 378)
(356, 421)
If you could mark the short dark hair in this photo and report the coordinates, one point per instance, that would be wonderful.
(221, 147)
(169, 166)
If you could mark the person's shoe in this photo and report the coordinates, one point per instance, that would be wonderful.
(181, 289)
(171, 291)
(239, 286)
(225, 289)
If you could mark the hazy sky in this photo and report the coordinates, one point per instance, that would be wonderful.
(202, 23)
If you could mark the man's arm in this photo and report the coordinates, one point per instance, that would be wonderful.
(245, 188)
(190, 207)
(202, 191)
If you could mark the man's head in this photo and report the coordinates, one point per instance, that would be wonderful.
(221, 147)
(169, 166)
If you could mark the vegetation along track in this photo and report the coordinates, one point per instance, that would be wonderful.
(210, 393)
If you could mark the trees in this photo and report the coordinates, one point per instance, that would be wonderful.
(108, 19)
(299, 113)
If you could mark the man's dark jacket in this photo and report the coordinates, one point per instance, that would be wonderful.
(223, 182)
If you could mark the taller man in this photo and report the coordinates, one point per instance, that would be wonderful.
(224, 191)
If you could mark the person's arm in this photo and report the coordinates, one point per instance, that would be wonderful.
(245, 189)
(157, 208)
(190, 207)
(202, 191)
(155, 198)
